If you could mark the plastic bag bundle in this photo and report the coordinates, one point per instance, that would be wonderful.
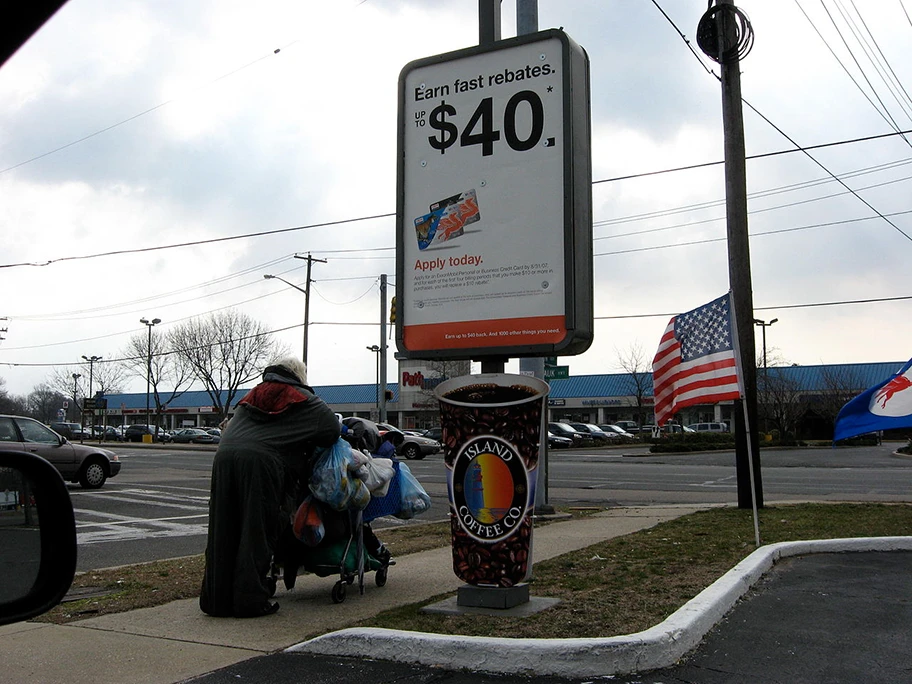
(307, 522)
(377, 473)
(332, 481)
(414, 500)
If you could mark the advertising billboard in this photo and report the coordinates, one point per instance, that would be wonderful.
(494, 227)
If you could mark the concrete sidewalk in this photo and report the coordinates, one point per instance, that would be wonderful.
(174, 642)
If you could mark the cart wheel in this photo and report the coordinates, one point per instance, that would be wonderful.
(271, 582)
(338, 592)
(381, 576)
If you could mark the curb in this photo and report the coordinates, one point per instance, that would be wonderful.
(654, 648)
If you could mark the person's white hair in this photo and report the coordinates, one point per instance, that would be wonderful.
(294, 366)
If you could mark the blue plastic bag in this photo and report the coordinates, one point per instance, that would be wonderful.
(333, 481)
(413, 499)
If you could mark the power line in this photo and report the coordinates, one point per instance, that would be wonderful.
(876, 300)
(805, 150)
(263, 233)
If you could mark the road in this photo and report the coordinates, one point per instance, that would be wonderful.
(158, 506)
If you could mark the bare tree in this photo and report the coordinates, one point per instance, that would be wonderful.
(636, 364)
(107, 377)
(840, 385)
(72, 383)
(44, 402)
(781, 402)
(438, 371)
(225, 350)
(148, 354)
(10, 403)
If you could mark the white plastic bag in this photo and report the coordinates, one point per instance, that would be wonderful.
(377, 473)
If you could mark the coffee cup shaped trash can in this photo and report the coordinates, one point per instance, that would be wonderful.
(492, 427)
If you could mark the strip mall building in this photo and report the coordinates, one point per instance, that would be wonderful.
(585, 398)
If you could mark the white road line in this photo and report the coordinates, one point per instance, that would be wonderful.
(161, 504)
(126, 528)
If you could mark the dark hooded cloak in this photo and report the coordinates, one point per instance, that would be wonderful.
(264, 451)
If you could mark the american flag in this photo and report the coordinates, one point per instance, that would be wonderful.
(696, 362)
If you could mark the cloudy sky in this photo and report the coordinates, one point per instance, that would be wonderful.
(148, 123)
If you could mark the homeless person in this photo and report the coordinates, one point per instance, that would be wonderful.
(265, 449)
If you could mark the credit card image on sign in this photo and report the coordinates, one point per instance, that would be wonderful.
(447, 219)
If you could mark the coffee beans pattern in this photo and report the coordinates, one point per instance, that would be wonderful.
(506, 562)
(502, 564)
(519, 424)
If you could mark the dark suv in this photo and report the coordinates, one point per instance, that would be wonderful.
(70, 430)
(134, 433)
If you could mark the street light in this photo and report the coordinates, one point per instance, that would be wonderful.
(306, 307)
(374, 348)
(764, 325)
(76, 377)
(149, 324)
(91, 361)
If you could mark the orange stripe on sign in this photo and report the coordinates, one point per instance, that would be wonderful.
(502, 332)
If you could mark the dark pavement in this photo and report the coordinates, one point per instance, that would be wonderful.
(834, 618)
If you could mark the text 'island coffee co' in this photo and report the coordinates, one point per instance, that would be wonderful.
(494, 260)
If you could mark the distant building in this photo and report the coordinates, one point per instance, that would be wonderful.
(599, 399)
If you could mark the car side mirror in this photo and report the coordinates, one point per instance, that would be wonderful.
(37, 537)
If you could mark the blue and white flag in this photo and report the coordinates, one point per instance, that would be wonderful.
(883, 407)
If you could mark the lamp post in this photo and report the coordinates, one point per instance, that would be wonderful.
(91, 360)
(149, 324)
(76, 377)
(374, 348)
(764, 325)
(306, 306)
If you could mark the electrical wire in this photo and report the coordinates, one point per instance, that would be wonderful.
(806, 152)
(875, 300)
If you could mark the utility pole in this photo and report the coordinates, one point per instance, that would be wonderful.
(725, 35)
(310, 261)
(383, 347)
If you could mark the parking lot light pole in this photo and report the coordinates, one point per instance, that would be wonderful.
(91, 360)
(374, 348)
(76, 377)
(764, 325)
(149, 324)
(306, 307)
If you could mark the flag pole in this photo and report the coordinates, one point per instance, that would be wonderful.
(747, 424)
(750, 456)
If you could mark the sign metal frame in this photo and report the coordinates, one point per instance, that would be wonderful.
(575, 215)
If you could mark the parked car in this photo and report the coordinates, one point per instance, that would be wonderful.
(595, 433)
(413, 447)
(564, 430)
(435, 433)
(215, 432)
(558, 441)
(192, 436)
(629, 426)
(709, 427)
(107, 433)
(71, 430)
(610, 428)
(90, 466)
(134, 433)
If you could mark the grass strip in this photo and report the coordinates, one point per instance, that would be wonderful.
(616, 587)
